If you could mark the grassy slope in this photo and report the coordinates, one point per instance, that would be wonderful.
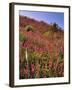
(40, 38)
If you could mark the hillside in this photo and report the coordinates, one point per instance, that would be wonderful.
(45, 46)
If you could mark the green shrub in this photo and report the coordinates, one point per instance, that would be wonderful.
(46, 34)
(33, 56)
(29, 28)
(61, 56)
(22, 37)
(53, 27)
(45, 57)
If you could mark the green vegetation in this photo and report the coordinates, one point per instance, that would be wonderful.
(48, 34)
(29, 28)
(61, 56)
(22, 37)
(53, 27)
(34, 56)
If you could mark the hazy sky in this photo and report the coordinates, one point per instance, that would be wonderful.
(49, 17)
